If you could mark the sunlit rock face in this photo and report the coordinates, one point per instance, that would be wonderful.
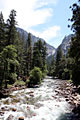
(50, 49)
(65, 45)
(40, 103)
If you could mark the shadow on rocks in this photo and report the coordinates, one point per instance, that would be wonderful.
(74, 115)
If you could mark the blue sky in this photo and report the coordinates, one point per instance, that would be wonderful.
(47, 19)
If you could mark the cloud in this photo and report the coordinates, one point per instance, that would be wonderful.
(29, 12)
(45, 3)
(48, 34)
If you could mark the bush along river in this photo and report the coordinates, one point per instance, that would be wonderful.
(52, 100)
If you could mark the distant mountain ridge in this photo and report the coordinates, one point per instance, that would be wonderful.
(50, 49)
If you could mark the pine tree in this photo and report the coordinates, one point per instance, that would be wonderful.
(29, 54)
(39, 56)
(9, 63)
(2, 33)
(20, 54)
(44, 54)
(11, 28)
(75, 44)
(2, 43)
(58, 59)
(52, 67)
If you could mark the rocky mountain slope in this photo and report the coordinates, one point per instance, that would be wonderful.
(66, 43)
(50, 49)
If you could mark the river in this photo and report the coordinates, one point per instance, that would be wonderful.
(39, 103)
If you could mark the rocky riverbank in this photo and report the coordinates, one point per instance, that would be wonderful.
(6, 92)
(72, 96)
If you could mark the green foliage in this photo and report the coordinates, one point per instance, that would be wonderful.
(52, 67)
(76, 74)
(29, 54)
(11, 28)
(44, 73)
(20, 54)
(19, 83)
(66, 74)
(75, 44)
(17, 57)
(13, 77)
(2, 33)
(8, 63)
(70, 81)
(58, 59)
(35, 76)
(39, 55)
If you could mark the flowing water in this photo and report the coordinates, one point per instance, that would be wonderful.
(39, 103)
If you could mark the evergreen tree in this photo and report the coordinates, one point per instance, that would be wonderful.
(52, 67)
(44, 54)
(58, 59)
(75, 44)
(2, 33)
(11, 28)
(8, 63)
(29, 54)
(37, 60)
(20, 54)
(39, 56)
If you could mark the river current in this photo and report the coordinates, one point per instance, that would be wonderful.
(39, 103)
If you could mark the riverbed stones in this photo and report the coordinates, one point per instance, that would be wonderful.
(13, 109)
(1, 113)
(34, 114)
(4, 108)
(28, 108)
(31, 94)
(10, 117)
(21, 118)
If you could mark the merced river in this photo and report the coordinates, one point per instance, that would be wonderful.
(39, 103)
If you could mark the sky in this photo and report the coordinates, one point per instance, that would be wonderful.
(47, 19)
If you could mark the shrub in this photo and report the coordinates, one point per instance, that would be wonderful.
(44, 73)
(19, 83)
(66, 74)
(35, 76)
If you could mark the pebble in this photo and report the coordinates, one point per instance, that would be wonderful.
(14, 109)
(21, 118)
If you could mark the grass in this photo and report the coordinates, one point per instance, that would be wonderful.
(19, 83)
(70, 81)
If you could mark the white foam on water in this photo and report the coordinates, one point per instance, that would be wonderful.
(42, 105)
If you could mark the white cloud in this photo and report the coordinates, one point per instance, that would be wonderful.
(45, 3)
(32, 13)
(47, 34)
(27, 13)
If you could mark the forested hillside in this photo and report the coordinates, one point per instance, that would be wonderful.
(18, 57)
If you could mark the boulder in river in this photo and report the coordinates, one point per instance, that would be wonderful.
(21, 118)
(14, 109)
